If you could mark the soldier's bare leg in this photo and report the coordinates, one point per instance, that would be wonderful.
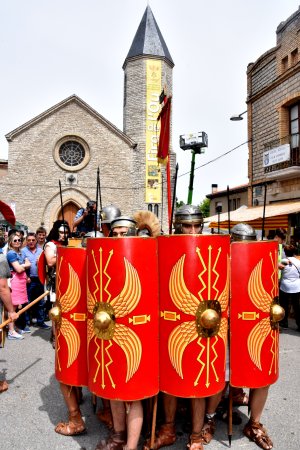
(119, 415)
(258, 400)
(209, 426)
(167, 433)
(134, 424)
(198, 414)
(170, 405)
(76, 424)
(254, 430)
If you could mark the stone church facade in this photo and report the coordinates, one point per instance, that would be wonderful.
(71, 140)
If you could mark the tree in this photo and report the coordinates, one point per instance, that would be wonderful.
(204, 207)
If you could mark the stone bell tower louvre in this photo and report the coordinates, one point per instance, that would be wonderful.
(70, 140)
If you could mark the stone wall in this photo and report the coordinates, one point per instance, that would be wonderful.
(273, 86)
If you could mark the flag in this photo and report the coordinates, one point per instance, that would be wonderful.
(7, 213)
(164, 137)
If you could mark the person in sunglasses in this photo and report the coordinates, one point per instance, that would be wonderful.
(18, 265)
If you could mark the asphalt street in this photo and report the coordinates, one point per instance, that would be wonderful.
(33, 404)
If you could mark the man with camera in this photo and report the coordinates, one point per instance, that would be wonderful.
(85, 219)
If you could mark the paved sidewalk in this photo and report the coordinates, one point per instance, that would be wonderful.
(33, 404)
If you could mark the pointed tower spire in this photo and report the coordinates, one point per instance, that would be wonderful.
(148, 40)
(148, 69)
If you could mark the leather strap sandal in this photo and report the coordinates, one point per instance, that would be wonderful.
(239, 397)
(74, 427)
(3, 386)
(257, 433)
(117, 441)
(208, 430)
(196, 442)
(165, 436)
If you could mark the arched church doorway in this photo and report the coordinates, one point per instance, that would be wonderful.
(70, 210)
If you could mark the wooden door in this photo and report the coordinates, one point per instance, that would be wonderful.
(70, 210)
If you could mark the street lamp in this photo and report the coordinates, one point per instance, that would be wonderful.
(237, 117)
(195, 142)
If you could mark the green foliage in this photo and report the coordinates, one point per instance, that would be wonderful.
(204, 207)
(179, 203)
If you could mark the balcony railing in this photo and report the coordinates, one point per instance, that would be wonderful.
(293, 140)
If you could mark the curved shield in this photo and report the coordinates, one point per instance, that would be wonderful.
(194, 294)
(42, 271)
(253, 336)
(122, 317)
(71, 327)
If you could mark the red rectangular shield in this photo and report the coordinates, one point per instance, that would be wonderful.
(71, 333)
(193, 269)
(254, 347)
(123, 317)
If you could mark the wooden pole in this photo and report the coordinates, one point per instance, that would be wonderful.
(230, 415)
(26, 308)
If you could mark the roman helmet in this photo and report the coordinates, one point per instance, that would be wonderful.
(124, 221)
(90, 234)
(110, 213)
(243, 232)
(187, 214)
(147, 223)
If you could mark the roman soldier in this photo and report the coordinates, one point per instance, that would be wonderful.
(254, 316)
(125, 327)
(189, 256)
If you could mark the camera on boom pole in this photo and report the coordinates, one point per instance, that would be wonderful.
(196, 142)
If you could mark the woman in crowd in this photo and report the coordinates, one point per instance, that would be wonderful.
(289, 292)
(18, 265)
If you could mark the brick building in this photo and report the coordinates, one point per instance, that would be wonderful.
(70, 140)
(273, 105)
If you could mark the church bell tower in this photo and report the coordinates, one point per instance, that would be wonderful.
(147, 71)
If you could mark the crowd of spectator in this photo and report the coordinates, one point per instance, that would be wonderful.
(22, 253)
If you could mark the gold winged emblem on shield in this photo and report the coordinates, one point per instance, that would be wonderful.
(103, 325)
(187, 302)
(65, 303)
(267, 326)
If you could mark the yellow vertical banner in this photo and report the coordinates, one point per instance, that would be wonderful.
(153, 90)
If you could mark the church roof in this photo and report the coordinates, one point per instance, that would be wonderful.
(148, 39)
(72, 99)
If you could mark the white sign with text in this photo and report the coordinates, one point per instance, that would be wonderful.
(277, 155)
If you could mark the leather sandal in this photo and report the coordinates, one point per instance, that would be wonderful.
(74, 427)
(196, 442)
(117, 441)
(105, 416)
(257, 433)
(208, 430)
(165, 436)
(239, 397)
(3, 386)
